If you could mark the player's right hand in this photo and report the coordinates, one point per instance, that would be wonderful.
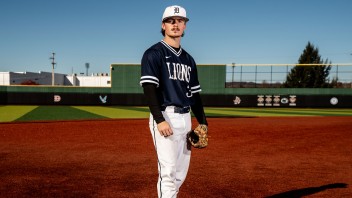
(164, 129)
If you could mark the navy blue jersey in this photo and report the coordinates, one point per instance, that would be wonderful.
(174, 73)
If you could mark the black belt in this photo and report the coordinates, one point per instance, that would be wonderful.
(181, 110)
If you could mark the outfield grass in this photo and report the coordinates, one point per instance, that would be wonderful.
(117, 112)
(257, 112)
(12, 113)
(58, 113)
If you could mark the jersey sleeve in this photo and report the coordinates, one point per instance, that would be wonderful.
(150, 71)
(194, 83)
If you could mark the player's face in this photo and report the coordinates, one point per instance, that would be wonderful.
(174, 26)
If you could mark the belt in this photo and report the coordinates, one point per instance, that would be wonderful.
(175, 109)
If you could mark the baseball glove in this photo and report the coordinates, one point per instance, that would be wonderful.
(199, 136)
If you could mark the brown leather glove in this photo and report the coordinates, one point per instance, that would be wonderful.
(199, 136)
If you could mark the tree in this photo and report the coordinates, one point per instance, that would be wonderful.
(315, 76)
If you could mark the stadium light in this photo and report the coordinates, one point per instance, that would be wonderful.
(233, 72)
(53, 67)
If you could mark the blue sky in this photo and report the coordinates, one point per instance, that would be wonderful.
(101, 32)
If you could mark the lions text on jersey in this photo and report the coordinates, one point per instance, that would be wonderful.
(174, 72)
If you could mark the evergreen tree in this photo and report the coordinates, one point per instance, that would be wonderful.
(314, 76)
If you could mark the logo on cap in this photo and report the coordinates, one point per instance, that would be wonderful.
(176, 10)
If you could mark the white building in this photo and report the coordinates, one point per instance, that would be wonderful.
(45, 78)
(100, 80)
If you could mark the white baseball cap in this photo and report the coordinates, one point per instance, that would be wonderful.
(174, 10)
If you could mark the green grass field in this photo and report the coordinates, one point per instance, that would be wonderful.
(13, 113)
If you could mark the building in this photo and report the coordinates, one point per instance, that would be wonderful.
(45, 78)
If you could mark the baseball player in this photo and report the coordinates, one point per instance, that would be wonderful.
(170, 83)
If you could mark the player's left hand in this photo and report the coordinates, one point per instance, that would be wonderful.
(199, 136)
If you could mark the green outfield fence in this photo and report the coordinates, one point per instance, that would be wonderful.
(214, 79)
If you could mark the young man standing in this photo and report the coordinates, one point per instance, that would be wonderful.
(170, 83)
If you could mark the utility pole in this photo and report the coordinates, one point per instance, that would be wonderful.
(53, 67)
(233, 73)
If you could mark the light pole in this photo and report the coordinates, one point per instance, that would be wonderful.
(53, 67)
(233, 73)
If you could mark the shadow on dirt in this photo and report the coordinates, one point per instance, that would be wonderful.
(307, 191)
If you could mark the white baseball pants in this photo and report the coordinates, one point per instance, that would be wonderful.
(172, 152)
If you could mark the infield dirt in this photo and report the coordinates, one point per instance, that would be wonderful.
(246, 157)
